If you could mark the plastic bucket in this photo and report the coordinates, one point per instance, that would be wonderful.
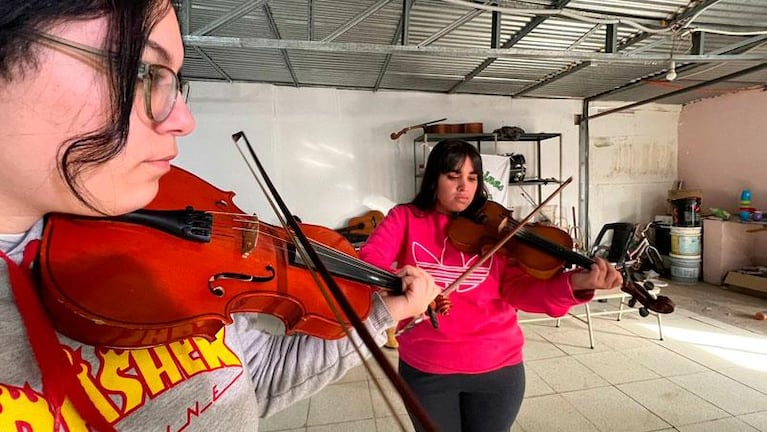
(685, 242)
(685, 270)
(686, 212)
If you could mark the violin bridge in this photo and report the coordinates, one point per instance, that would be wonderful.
(249, 235)
(503, 224)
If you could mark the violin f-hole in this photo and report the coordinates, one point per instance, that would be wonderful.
(218, 290)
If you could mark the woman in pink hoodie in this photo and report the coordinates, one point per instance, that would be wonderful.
(468, 373)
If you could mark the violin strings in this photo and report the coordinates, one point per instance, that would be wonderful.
(547, 245)
(225, 230)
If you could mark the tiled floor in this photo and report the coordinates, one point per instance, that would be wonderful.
(706, 375)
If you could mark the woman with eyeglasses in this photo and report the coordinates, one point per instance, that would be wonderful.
(90, 110)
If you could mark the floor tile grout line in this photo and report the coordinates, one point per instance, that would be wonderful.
(656, 414)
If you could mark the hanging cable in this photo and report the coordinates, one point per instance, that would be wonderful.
(605, 19)
(579, 16)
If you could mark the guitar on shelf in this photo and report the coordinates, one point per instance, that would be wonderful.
(360, 227)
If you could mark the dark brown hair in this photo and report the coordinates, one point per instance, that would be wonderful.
(447, 156)
(128, 25)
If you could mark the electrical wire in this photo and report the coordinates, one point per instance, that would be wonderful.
(601, 19)
(727, 32)
(605, 19)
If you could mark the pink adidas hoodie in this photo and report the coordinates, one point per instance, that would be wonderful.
(481, 332)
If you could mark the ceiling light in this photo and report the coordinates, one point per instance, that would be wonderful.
(671, 75)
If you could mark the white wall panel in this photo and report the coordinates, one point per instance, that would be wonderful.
(329, 152)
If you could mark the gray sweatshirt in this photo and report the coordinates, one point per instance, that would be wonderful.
(189, 385)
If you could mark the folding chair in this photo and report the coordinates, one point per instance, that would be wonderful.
(612, 243)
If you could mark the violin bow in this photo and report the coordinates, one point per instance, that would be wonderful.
(520, 224)
(289, 221)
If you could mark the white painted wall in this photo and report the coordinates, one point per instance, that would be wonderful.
(633, 163)
(329, 153)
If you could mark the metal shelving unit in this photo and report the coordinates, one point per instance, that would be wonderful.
(534, 139)
(419, 158)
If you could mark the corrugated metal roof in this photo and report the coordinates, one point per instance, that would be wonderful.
(356, 44)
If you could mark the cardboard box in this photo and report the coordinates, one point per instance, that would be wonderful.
(756, 283)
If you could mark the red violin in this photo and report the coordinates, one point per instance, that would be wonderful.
(184, 264)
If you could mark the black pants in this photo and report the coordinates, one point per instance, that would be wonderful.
(487, 402)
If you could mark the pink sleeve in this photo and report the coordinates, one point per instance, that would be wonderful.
(383, 246)
(553, 297)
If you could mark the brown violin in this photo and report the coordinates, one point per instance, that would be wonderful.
(184, 264)
(395, 135)
(541, 250)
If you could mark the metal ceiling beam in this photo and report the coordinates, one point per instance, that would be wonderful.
(659, 41)
(452, 26)
(733, 49)
(633, 40)
(369, 48)
(495, 31)
(399, 34)
(213, 64)
(682, 17)
(611, 38)
(691, 12)
(524, 31)
(310, 20)
(742, 45)
(402, 29)
(404, 24)
(276, 33)
(233, 15)
(185, 20)
(362, 16)
(557, 76)
(682, 91)
(382, 72)
(585, 36)
(678, 19)
(698, 43)
(611, 46)
(185, 16)
(570, 69)
(610, 32)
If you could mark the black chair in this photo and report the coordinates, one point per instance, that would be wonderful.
(612, 242)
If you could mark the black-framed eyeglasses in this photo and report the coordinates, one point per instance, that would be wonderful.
(161, 84)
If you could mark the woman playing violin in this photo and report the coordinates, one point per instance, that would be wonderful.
(468, 372)
(90, 107)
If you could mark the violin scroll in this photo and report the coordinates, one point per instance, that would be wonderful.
(642, 293)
